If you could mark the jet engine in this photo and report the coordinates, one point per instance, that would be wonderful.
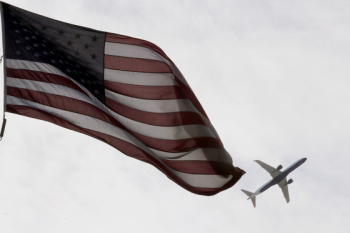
(290, 181)
(279, 167)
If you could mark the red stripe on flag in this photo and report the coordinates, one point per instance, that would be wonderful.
(133, 41)
(159, 119)
(200, 167)
(175, 146)
(42, 77)
(145, 92)
(135, 64)
(125, 147)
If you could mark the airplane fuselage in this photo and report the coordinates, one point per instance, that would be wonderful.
(278, 178)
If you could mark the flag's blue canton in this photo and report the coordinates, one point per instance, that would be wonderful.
(76, 51)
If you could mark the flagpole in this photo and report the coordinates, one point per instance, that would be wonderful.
(3, 60)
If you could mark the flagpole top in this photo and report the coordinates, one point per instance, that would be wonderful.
(3, 127)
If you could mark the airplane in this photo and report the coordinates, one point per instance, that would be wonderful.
(278, 177)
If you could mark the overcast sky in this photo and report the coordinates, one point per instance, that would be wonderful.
(274, 79)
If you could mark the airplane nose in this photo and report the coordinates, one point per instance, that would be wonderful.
(304, 159)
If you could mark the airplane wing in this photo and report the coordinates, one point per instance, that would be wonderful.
(284, 186)
(273, 171)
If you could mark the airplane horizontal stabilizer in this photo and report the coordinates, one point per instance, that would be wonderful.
(247, 192)
(250, 194)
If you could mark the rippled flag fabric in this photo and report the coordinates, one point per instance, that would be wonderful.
(118, 89)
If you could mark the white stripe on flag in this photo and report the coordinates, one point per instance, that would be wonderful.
(139, 78)
(155, 106)
(34, 66)
(203, 181)
(49, 88)
(132, 51)
(200, 154)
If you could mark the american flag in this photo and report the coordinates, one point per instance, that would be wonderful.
(118, 89)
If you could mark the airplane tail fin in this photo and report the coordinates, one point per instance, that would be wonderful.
(251, 198)
(253, 201)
